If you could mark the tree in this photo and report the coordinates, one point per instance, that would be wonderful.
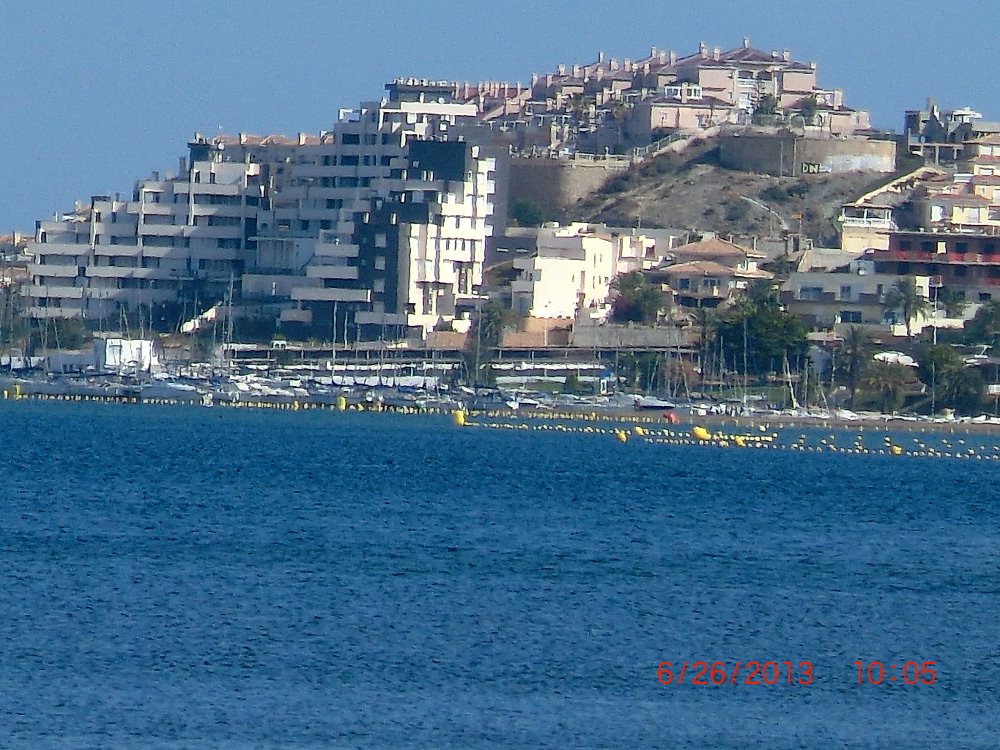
(856, 356)
(762, 335)
(483, 341)
(705, 318)
(904, 297)
(964, 391)
(951, 302)
(952, 384)
(635, 301)
(527, 213)
(984, 328)
(768, 105)
(888, 383)
(808, 108)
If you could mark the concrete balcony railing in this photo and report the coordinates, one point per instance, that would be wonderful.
(40, 291)
(853, 221)
(332, 272)
(923, 256)
(49, 270)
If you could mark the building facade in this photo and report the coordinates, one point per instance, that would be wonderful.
(572, 270)
(376, 226)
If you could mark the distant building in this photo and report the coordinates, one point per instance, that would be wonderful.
(709, 272)
(853, 296)
(965, 263)
(944, 136)
(376, 227)
(572, 270)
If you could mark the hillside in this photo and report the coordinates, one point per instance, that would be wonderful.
(689, 190)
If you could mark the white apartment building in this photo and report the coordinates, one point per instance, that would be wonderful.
(375, 227)
(116, 254)
(573, 270)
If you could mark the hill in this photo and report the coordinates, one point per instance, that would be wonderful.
(690, 190)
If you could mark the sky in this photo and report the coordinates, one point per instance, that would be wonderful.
(94, 96)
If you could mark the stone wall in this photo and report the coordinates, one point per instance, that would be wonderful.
(556, 184)
(611, 335)
(791, 156)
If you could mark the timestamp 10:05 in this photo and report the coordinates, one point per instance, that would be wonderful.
(907, 672)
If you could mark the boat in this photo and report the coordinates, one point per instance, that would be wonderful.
(642, 403)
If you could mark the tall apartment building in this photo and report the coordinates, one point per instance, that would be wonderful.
(176, 236)
(376, 227)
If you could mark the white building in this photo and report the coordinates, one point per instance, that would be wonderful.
(573, 269)
(117, 254)
(376, 226)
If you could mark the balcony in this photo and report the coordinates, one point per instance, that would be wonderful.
(48, 270)
(923, 256)
(316, 294)
(40, 291)
(332, 272)
(123, 272)
(870, 223)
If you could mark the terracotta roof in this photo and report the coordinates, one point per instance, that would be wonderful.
(715, 248)
(960, 200)
(698, 268)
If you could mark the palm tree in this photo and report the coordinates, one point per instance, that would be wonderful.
(984, 328)
(906, 298)
(888, 382)
(952, 304)
(857, 352)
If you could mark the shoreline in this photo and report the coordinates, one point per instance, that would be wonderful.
(683, 419)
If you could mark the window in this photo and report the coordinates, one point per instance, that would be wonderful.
(850, 316)
(985, 296)
(846, 293)
(927, 247)
(811, 293)
(905, 245)
(961, 247)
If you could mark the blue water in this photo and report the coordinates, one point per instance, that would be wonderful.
(188, 577)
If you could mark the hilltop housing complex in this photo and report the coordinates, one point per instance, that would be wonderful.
(379, 227)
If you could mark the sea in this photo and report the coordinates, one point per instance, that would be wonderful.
(189, 577)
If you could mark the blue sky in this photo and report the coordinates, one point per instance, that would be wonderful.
(96, 95)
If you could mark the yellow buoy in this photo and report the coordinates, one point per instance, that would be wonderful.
(458, 418)
(700, 433)
(896, 450)
(638, 431)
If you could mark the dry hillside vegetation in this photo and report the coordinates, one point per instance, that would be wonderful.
(691, 191)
